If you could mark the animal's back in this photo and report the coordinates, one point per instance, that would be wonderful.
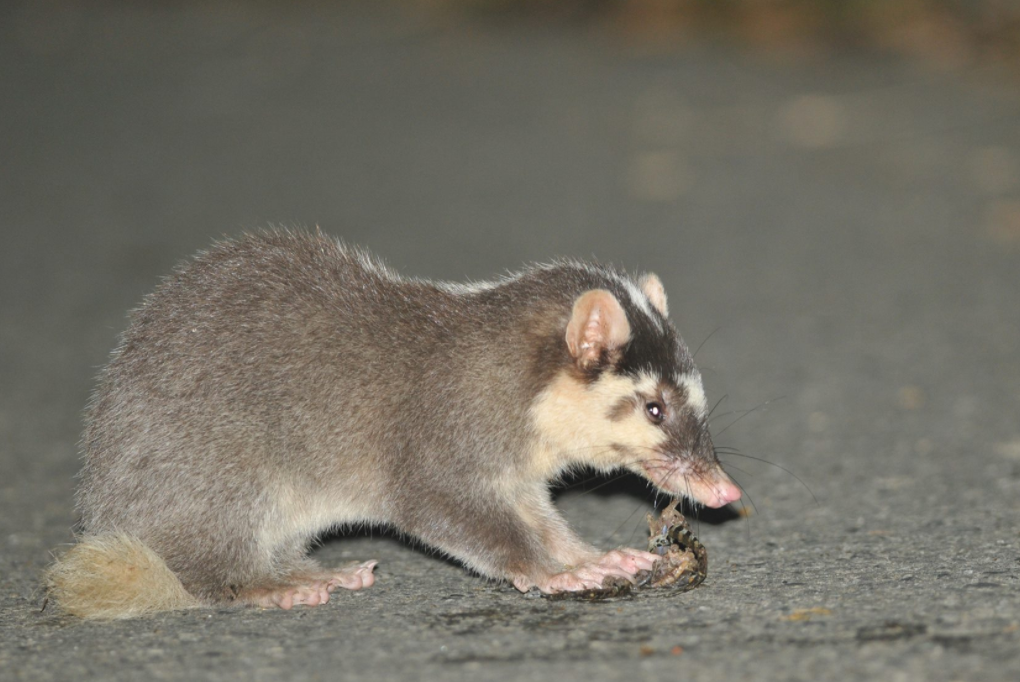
(212, 420)
(280, 384)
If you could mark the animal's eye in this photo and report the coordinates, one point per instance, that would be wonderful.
(655, 412)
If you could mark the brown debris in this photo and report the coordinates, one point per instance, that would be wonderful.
(682, 566)
(684, 562)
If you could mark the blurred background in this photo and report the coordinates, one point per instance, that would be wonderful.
(830, 191)
(734, 146)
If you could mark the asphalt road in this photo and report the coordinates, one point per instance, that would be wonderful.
(841, 232)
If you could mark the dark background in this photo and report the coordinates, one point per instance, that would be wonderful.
(833, 204)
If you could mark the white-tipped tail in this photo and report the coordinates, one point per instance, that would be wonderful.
(106, 577)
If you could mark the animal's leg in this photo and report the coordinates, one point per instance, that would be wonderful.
(309, 588)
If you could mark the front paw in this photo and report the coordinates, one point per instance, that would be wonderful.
(628, 561)
(619, 564)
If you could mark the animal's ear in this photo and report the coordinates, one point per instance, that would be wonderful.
(652, 286)
(597, 324)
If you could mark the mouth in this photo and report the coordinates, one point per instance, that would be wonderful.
(712, 488)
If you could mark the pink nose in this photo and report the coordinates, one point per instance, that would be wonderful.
(722, 491)
(727, 492)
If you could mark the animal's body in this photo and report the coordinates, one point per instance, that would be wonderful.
(281, 384)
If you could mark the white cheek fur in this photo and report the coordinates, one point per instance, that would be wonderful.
(695, 391)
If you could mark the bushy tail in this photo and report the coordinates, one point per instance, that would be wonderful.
(112, 576)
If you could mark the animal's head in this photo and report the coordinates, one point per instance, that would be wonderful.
(630, 396)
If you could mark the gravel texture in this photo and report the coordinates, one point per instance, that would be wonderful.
(842, 234)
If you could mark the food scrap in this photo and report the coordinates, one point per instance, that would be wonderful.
(684, 560)
(682, 564)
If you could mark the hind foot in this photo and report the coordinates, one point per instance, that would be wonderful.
(620, 563)
(314, 589)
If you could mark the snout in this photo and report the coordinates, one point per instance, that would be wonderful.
(716, 493)
(714, 489)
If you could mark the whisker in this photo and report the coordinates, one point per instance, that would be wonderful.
(695, 353)
(614, 479)
(697, 510)
(743, 506)
(747, 412)
(781, 468)
(717, 403)
(625, 522)
(743, 471)
(744, 492)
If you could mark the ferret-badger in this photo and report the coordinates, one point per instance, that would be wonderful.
(282, 384)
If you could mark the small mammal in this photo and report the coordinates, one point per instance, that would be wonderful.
(282, 384)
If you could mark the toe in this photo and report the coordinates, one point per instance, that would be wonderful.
(349, 581)
(630, 560)
(354, 577)
(284, 600)
(644, 560)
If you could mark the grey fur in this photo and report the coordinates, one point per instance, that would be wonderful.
(286, 361)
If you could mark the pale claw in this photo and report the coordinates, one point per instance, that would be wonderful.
(354, 577)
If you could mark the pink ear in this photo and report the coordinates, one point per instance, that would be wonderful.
(656, 293)
(597, 323)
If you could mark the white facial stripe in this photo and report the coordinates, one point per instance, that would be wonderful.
(646, 384)
(691, 383)
(640, 300)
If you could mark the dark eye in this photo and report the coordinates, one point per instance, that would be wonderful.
(655, 412)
